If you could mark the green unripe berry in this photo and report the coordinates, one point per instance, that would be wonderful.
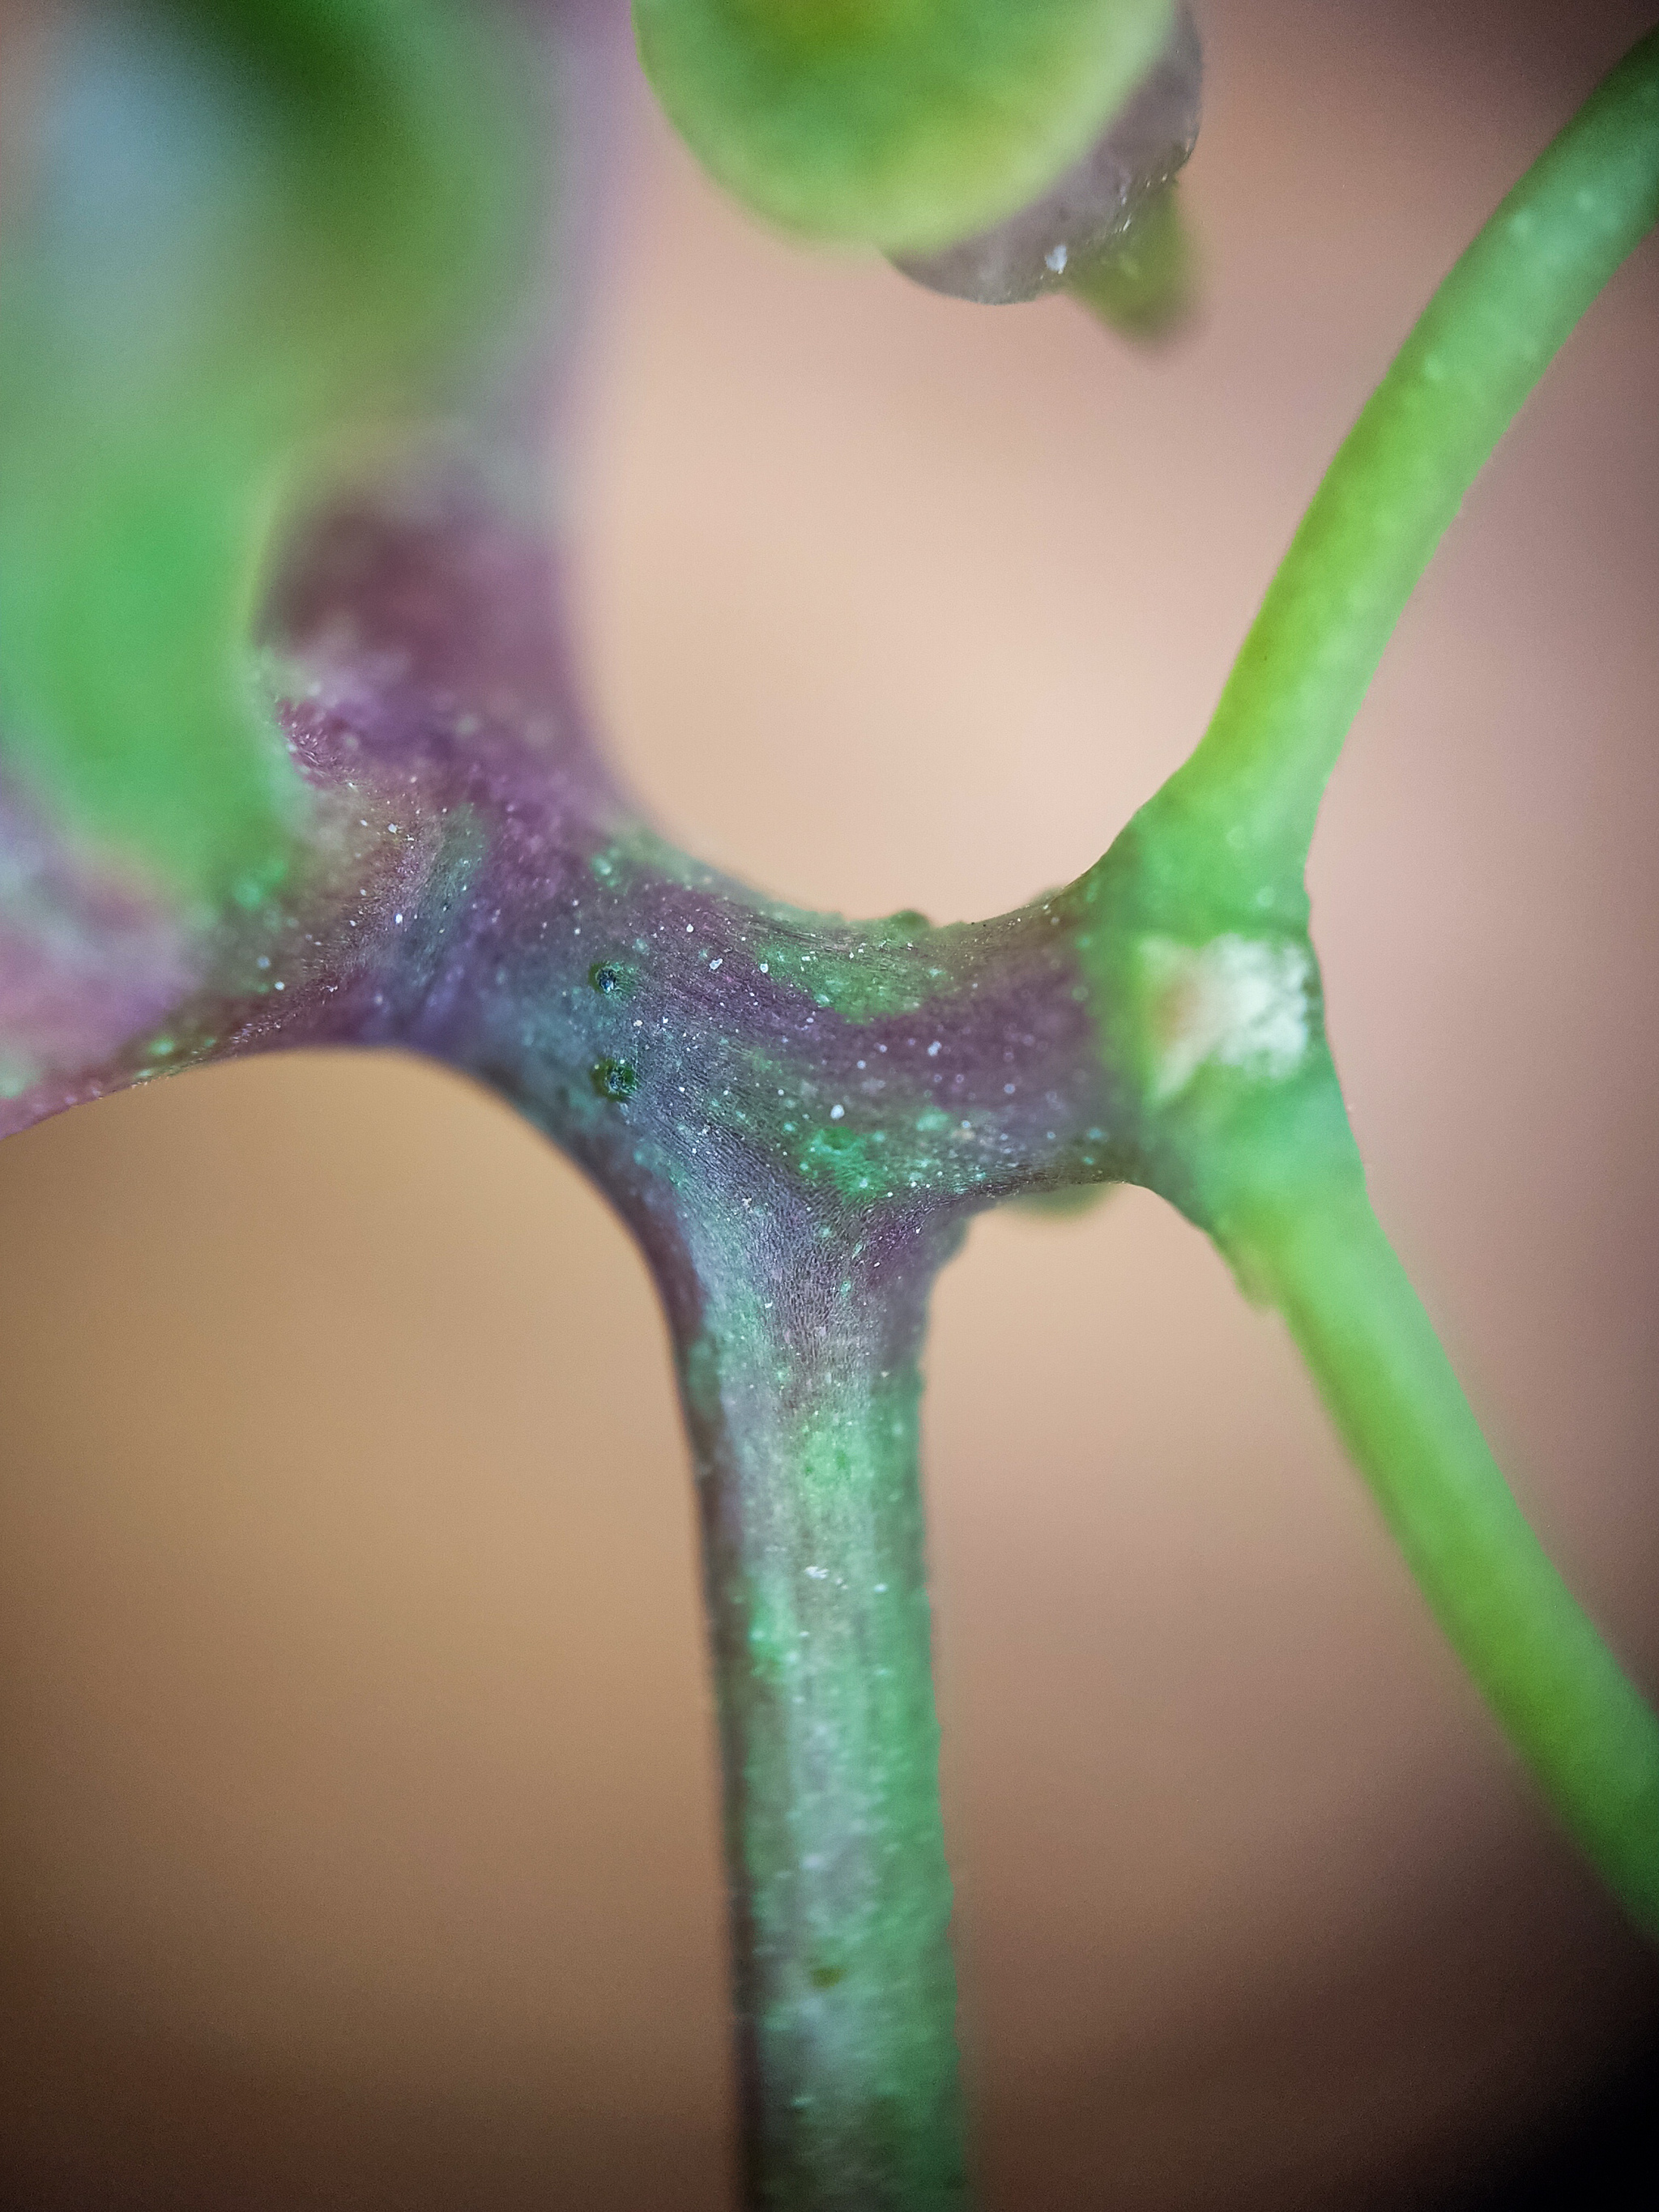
(906, 124)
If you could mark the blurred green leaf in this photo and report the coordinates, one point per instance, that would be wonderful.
(248, 225)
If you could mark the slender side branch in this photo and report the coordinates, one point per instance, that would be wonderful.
(1486, 337)
(1322, 1259)
(1193, 929)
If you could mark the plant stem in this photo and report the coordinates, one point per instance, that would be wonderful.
(1319, 1254)
(801, 1387)
(1485, 339)
(1205, 978)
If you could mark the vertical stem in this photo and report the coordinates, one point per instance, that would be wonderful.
(802, 1390)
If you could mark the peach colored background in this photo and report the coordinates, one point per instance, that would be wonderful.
(358, 1813)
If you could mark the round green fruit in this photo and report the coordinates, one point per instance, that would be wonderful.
(906, 124)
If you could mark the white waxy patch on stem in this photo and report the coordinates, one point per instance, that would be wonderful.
(1243, 1002)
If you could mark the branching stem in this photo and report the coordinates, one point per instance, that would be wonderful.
(795, 1114)
(1207, 981)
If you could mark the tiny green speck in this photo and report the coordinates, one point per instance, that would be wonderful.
(616, 1078)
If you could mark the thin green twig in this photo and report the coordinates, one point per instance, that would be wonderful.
(1323, 1260)
(1486, 337)
(1244, 1127)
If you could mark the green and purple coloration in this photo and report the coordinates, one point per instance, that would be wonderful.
(796, 1115)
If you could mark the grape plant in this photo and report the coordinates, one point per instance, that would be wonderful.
(292, 755)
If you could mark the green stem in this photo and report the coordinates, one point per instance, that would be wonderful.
(1489, 333)
(1205, 979)
(1321, 1257)
(802, 1401)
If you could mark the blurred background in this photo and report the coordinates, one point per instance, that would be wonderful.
(357, 1807)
